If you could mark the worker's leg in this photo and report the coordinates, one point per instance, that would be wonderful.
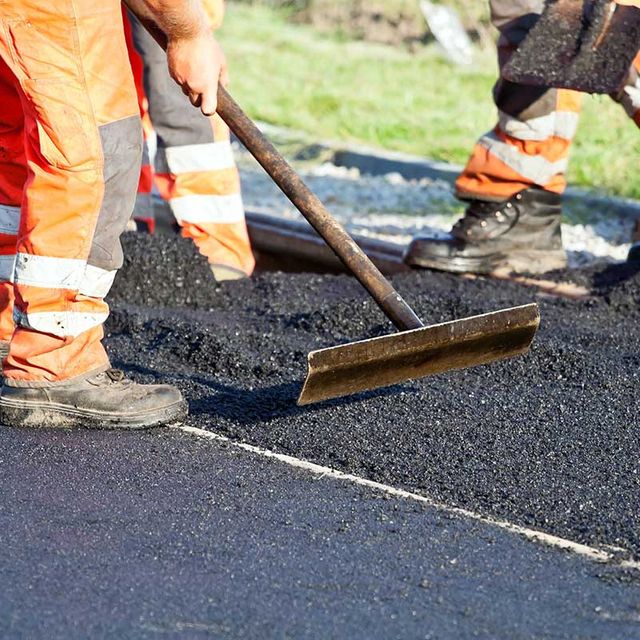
(195, 169)
(629, 98)
(629, 95)
(143, 214)
(529, 145)
(13, 175)
(82, 144)
(515, 175)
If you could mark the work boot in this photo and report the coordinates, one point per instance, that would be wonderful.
(634, 252)
(106, 400)
(521, 234)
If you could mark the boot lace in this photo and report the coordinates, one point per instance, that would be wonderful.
(115, 375)
(110, 377)
(479, 211)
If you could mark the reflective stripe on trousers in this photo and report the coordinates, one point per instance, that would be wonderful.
(195, 171)
(531, 141)
(69, 123)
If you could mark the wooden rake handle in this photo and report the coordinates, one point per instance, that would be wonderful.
(309, 205)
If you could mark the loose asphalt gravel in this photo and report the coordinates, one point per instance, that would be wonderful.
(164, 534)
(548, 440)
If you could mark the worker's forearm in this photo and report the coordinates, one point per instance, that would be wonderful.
(179, 19)
(176, 19)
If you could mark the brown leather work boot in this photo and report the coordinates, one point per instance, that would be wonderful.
(107, 400)
(520, 235)
(634, 252)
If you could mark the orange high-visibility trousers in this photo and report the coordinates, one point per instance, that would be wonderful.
(195, 171)
(70, 148)
(530, 144)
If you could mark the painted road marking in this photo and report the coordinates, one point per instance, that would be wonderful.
(592, 553)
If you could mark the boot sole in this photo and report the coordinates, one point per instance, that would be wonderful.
(526, 261)
(15, 413)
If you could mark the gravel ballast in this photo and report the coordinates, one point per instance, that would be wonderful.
(548, 440)
(395, 209)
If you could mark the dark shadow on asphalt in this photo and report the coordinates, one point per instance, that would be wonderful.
(250, 406)
(615, 274)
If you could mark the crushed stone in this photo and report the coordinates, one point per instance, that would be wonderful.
(395, 209)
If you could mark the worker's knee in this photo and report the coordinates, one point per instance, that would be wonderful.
(122, 152)
(56, 103)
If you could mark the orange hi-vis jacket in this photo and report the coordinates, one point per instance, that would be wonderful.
(195, 171)
(70, 151)
(530, 143)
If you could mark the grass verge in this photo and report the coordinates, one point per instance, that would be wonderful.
(388, 97)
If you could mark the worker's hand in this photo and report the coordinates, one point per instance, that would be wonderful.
(197, 64)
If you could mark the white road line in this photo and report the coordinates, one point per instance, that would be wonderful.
(597, 555)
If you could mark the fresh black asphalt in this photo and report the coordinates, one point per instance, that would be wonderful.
(164, 535)
(548, 440)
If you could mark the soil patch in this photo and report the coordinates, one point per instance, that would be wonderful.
(548, 440)
(367, 21)
(385, 21)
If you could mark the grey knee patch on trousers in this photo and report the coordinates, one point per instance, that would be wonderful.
(524, 102)
(122, 151)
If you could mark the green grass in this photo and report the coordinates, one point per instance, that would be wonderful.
(332, 88)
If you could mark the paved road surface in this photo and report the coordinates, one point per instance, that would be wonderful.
(166, 535)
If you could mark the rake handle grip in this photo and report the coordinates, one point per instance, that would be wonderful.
(309, 205)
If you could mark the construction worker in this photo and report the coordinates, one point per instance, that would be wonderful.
(70, 153)
(514, 180)
(634, 252)
(195, 171)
